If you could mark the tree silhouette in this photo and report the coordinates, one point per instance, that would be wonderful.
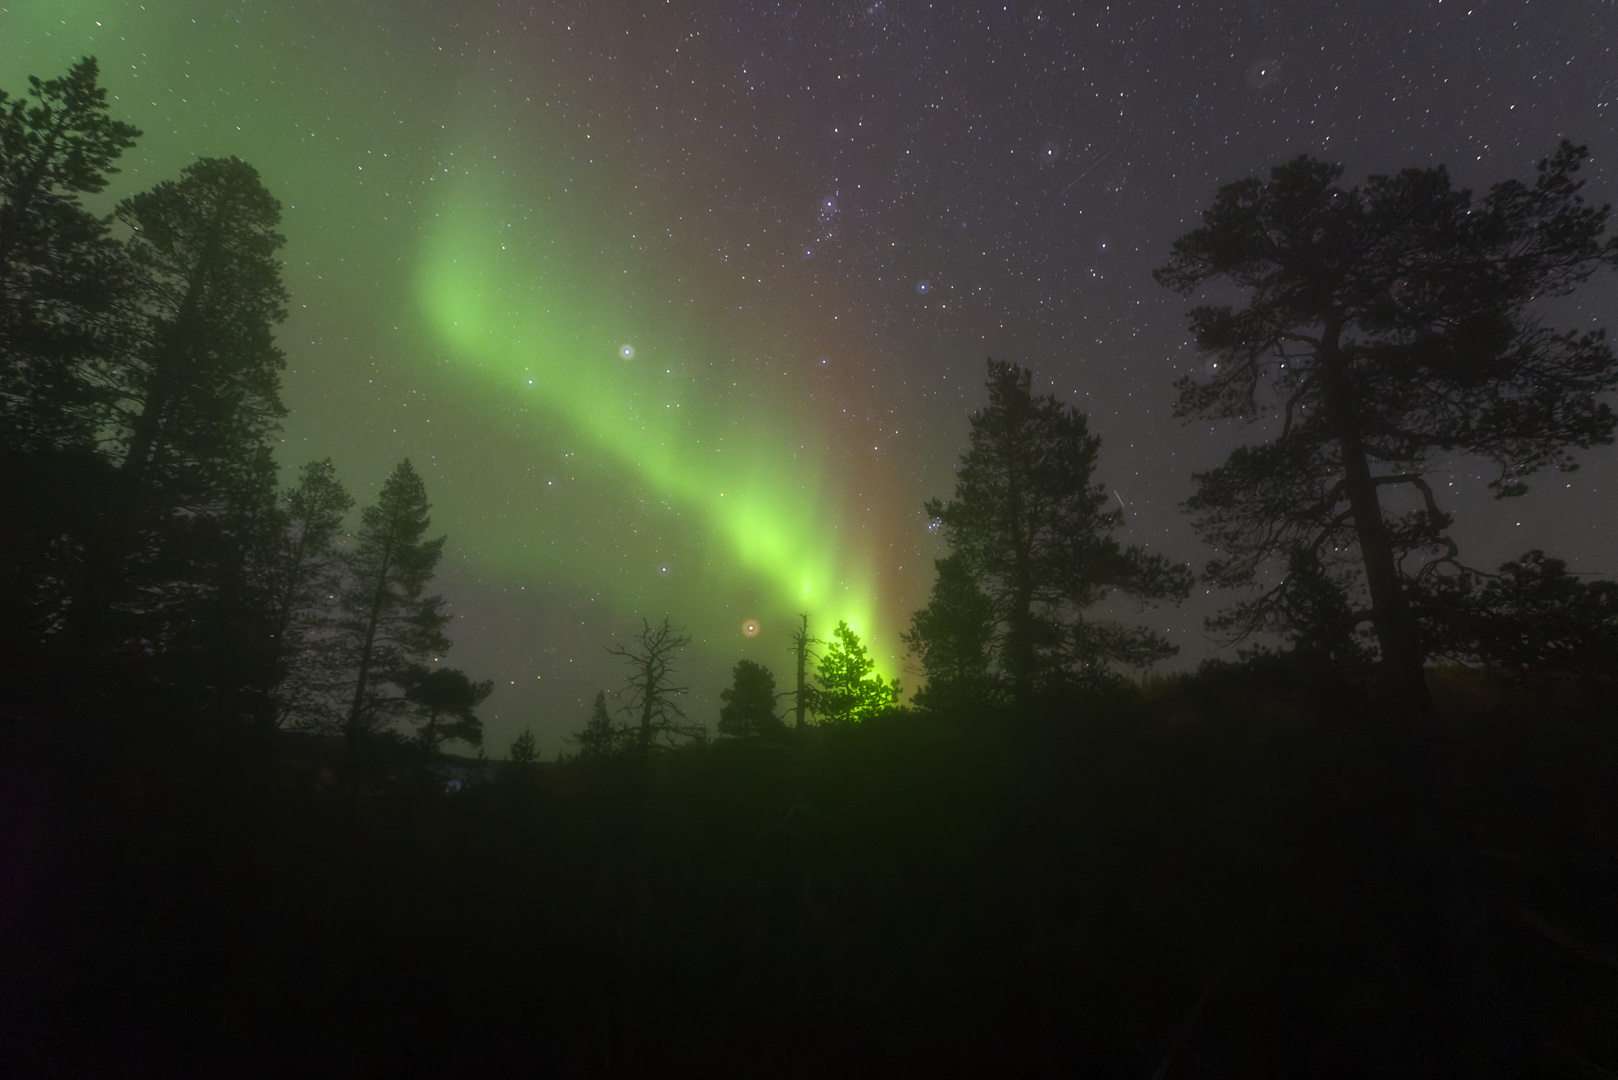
(446, 700)
(60, 271)
(749, 709)
(953, 637)
(204, 383)
(304, 575)
(801, 642)
(651, 693)
(1530, 617)
(1381, 326)
(850, 689)
(604, 738)
(1031, 529)
(194, 400)
(524, 751)
(168, 575)
(388, 628)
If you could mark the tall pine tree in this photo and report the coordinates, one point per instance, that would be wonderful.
(388, 627)
(61, 275)
(203, 387)
(749, 703)
(954, 637)
(60, 270)
(1030, 528)
(303, 575)
(1381, 327)
(197, 400)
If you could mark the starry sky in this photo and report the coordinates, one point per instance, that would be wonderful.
(681, 308)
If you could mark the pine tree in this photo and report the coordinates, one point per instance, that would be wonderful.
(850, 689)
(169, 577)
(524, 751)
(954, 638)
(304, 575)
(61, 277)
(196, 400)
(749, 703)
(60, 271)
(1382, 326)
(445, 701)
(1531, 617)
(1030, 528)
(388, 627)
(204, 383)
(604, 738)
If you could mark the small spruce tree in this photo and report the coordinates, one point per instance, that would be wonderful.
(749, 709)
(850, 689)
(524, 751)
(603, 738)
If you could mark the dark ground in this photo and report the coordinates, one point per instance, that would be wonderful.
(1221, 876)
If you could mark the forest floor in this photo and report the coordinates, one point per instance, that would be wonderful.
(1219, 875)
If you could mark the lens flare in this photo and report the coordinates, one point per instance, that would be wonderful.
(751, 628)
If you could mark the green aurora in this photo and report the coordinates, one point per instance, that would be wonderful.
(467, 258)
(522, 330)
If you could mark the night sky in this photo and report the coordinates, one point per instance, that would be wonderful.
(681, 308)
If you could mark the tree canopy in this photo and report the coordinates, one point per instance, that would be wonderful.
(1031, 529)
(61, 273)
(388, 626)
(749, 703)
(850, 689)
(1381, 327)
(953, 637)
(445, 701)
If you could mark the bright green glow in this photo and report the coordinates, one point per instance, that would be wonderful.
(516, 318)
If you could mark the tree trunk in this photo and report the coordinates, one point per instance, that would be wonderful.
(801, 641)
(351, 729)
(1019, 620)
(1400, 676)
(646, 706)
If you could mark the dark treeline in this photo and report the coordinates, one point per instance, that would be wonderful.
(1382, 841)
(151, 568)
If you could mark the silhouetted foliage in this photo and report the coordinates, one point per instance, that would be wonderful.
(1382, 325)
(304, 575)
(167, 580)
(524, 750)
(1533, 617)
(138, 390)
(604, 738)
(60, 271)
(204, 383)
(749, 703)
(1031, 529)
(445, 701)
(388, 627)
(849, 687)
(1217, 871)
(954, 638)
(1214, 874)
(651, 693)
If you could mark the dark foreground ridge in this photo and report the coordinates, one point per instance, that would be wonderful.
(1232, 874)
